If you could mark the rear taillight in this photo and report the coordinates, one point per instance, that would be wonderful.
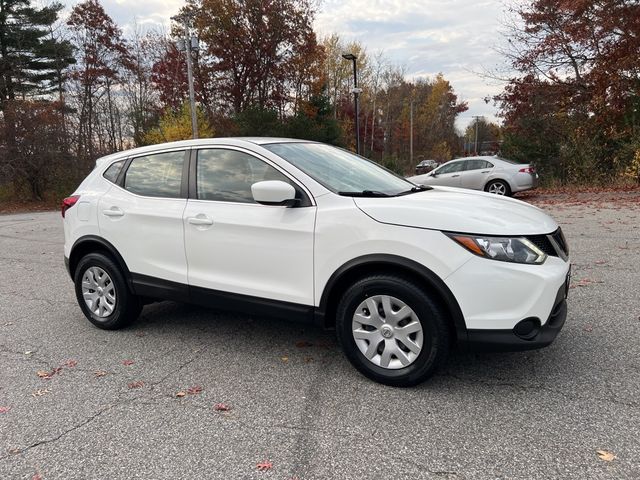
(527, 170)
(69, 202)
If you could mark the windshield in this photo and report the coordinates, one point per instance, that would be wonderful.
(341, 171)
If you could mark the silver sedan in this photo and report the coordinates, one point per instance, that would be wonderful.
(491, 174)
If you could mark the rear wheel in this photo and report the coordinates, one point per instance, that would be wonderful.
(498, 187)
(102, 293)
(392, 331)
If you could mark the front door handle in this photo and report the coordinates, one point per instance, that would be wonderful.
(454, 176)
(113, 212)
(486, 171)
(200, 220)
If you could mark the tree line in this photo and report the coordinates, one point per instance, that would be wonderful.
(73, 90)
(76, 90)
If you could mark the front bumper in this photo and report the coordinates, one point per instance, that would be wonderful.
(512, 340)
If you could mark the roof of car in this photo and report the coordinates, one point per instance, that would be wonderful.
(236, 141)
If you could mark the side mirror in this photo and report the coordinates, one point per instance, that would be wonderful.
(274, 192)
(433, 174)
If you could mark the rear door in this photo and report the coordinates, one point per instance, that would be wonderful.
(476, 173)
(235, 245)
(141, 215)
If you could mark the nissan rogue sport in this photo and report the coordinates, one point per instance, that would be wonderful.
(306, 231)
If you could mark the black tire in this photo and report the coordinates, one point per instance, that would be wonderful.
(127, 306)
(501, 183)
(436, 334)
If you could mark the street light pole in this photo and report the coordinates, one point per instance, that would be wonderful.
(189, 43)
(477, 117)
(411, 134)
(356, 91)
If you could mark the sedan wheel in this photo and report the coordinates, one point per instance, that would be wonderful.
(498, 187)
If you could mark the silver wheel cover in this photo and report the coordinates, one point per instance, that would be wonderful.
(98, 291)
(387, 332)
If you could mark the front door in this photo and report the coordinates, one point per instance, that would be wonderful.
(448, 175)
(237, 246)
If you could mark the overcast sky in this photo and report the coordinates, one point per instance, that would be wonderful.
(455, 37)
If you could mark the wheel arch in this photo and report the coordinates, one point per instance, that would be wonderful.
(385, 263)
(94, 244)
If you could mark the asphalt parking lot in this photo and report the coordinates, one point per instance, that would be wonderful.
(78, 402)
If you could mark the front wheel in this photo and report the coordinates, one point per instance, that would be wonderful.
(392, 331)
(498, 187)
(103, 294)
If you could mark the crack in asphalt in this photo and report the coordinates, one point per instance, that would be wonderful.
(58, 437)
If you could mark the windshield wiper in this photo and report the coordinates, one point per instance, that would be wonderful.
(417, 188)
(365, 193)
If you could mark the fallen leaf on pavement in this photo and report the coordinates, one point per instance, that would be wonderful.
(138, 384)
(264, 466)
(181, 394)
(194, 390)
(303, 344)
(606, 456)
(37, 476)
(308, 359)
(588, 328)
(126, 363)
(221, 407)
(40, 392)
(99, 373)
(4, 409)
(284, 359)
(28, 352)
(47, 375)
(71, 363)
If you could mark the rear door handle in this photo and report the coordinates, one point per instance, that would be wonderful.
(454, 176)
(113, 212)
(200, 220)
(486, 171)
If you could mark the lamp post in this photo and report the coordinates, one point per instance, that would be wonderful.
(356, 91)
(186, 45)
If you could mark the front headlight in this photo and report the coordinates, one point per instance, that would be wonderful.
(505, 249)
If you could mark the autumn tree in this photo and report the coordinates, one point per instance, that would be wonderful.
(259, 51)
(30, 59)
(573, 108)
(101, 54)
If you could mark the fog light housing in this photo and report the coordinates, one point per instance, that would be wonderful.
(528, 328)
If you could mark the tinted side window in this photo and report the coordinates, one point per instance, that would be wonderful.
(227, 175)
(113, 171)
(158, 175)
(476, 164)
(451, 167)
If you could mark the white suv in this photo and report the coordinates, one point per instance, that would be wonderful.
(310, 232)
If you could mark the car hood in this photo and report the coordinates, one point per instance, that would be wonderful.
(459, 210)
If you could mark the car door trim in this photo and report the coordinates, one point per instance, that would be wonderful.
(153, 287)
